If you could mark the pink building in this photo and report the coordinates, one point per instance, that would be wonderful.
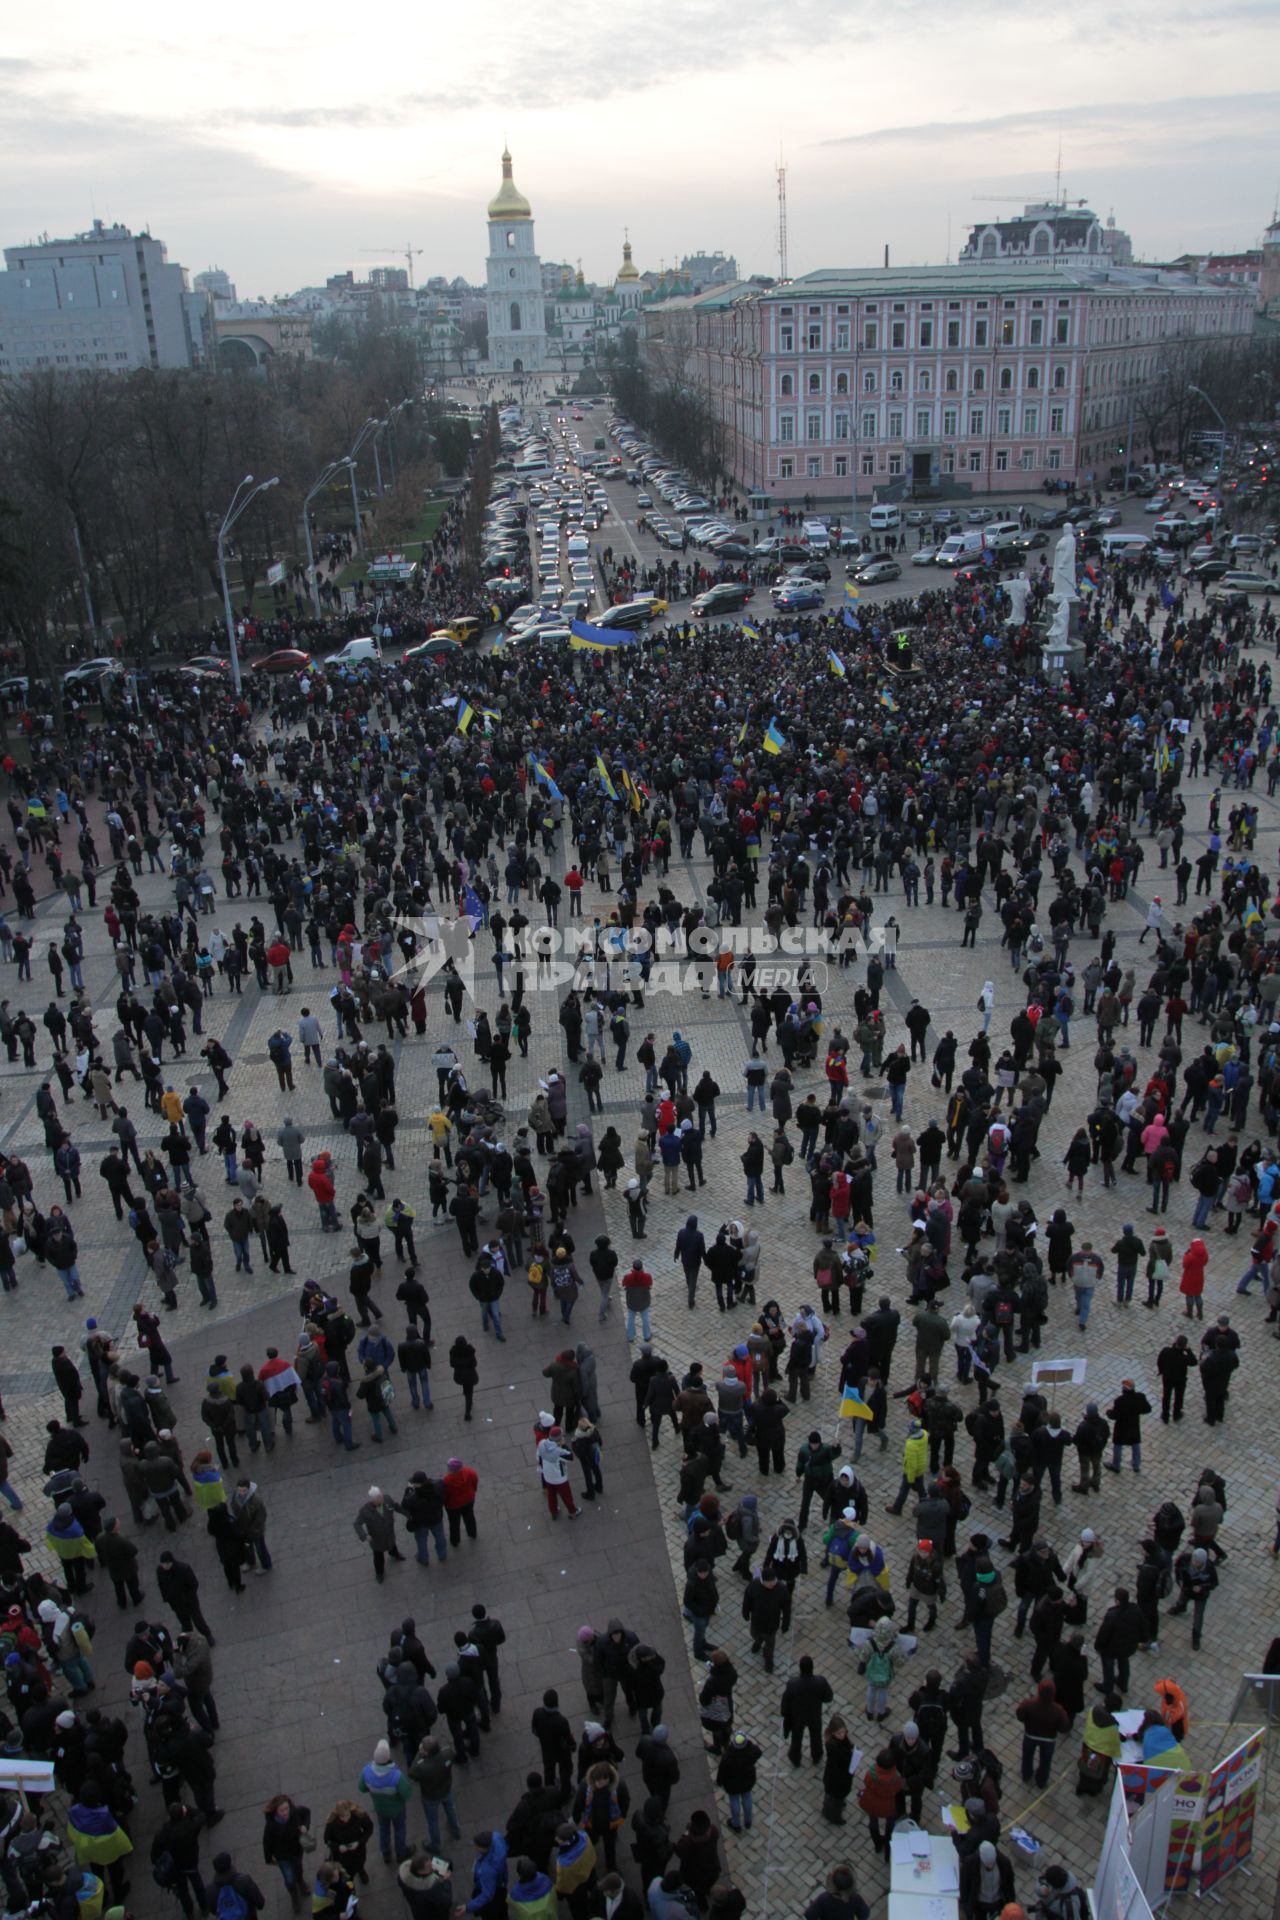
(851, 382)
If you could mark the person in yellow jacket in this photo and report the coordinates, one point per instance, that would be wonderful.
(574, 1859)
(915, 1462)
(207, 1489)
(1100, 1748)
(65, 1537)
(439, 1126)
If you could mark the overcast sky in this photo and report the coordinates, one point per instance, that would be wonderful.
(285, 153)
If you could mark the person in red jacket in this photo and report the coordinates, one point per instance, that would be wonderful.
(278, 957)
(460, 1485)
(573, 881)
(320, 1181)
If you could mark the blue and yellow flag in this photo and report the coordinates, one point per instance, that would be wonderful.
(749, 632)
(491, 717)
(589, 639)
(850, 591)
(544, 779)
(835, 663)
(605, 781)
(888, 702)
(774, 740)
(853, 1406)
(631, 790)
(466, 714)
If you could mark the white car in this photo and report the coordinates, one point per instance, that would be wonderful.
(90, 669)
(1157, 503)
(924, 556)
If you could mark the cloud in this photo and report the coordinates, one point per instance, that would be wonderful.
(1171, 118)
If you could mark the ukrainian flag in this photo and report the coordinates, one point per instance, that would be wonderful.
(749, 632)
(466, 714)
(888, 702)
(605, 781)
(742, 736)
(491, 716)
(835, 663)
(774, 740)
(853, 1406)
(629, 788)
(589, 639)
(850, 591)
(544, 778)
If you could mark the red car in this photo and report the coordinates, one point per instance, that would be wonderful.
(283, 660)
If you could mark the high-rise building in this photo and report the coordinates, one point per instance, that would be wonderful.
(107, 299)
(513, 287)
(216, 282)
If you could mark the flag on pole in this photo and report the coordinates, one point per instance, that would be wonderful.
(748, 631)
(888, 702)
(774, 739)
(742, 736)
(472, 908)
(851, 620)
(605, 781)
(631, 790)
(853, 1406)
(835, 663)
(850, 591)
(466, 714)
(491, 717)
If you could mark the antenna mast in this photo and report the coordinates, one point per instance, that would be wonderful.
(782, 219)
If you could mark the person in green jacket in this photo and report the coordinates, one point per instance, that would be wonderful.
(915, 1461)
(815, 1467)
(389, 1789)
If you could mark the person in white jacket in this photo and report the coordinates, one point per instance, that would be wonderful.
(554, 1461)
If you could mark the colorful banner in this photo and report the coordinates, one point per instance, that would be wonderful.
(1226, 1831)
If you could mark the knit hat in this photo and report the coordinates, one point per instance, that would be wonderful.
(65, 1720)
(1087, 1536)
(453, 1465)
(382, 1754)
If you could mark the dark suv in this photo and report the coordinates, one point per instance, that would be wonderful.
(727, 596)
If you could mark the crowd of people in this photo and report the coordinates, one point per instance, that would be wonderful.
(322, 844)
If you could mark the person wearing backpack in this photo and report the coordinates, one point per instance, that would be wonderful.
(232, 1895)
(175, 1858)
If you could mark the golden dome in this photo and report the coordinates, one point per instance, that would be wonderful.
(628, 270)
(508, 203)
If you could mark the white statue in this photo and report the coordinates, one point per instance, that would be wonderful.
(1063, 588)
(1018, 589)
(1059, 625)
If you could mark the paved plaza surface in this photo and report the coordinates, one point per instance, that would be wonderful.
(294, 1675)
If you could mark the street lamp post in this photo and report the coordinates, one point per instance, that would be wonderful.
(239, 501)
(1202, 395)
(369, 427)
(334, 466)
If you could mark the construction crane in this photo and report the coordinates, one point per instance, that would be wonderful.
(1031, 199)
(409, 254)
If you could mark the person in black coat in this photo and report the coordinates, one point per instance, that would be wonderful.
(803, 1698)
(659, 1767)
(551, 1730)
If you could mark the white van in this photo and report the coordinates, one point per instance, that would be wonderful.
(1124, 546)
(884, 519)
(1002, 534)
(357, 653)
(958, 548)
(817, 536)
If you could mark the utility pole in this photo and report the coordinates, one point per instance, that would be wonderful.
(782, 219)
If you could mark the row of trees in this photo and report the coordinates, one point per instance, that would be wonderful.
(1238, 380)
(113, 488)
(657, 395)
